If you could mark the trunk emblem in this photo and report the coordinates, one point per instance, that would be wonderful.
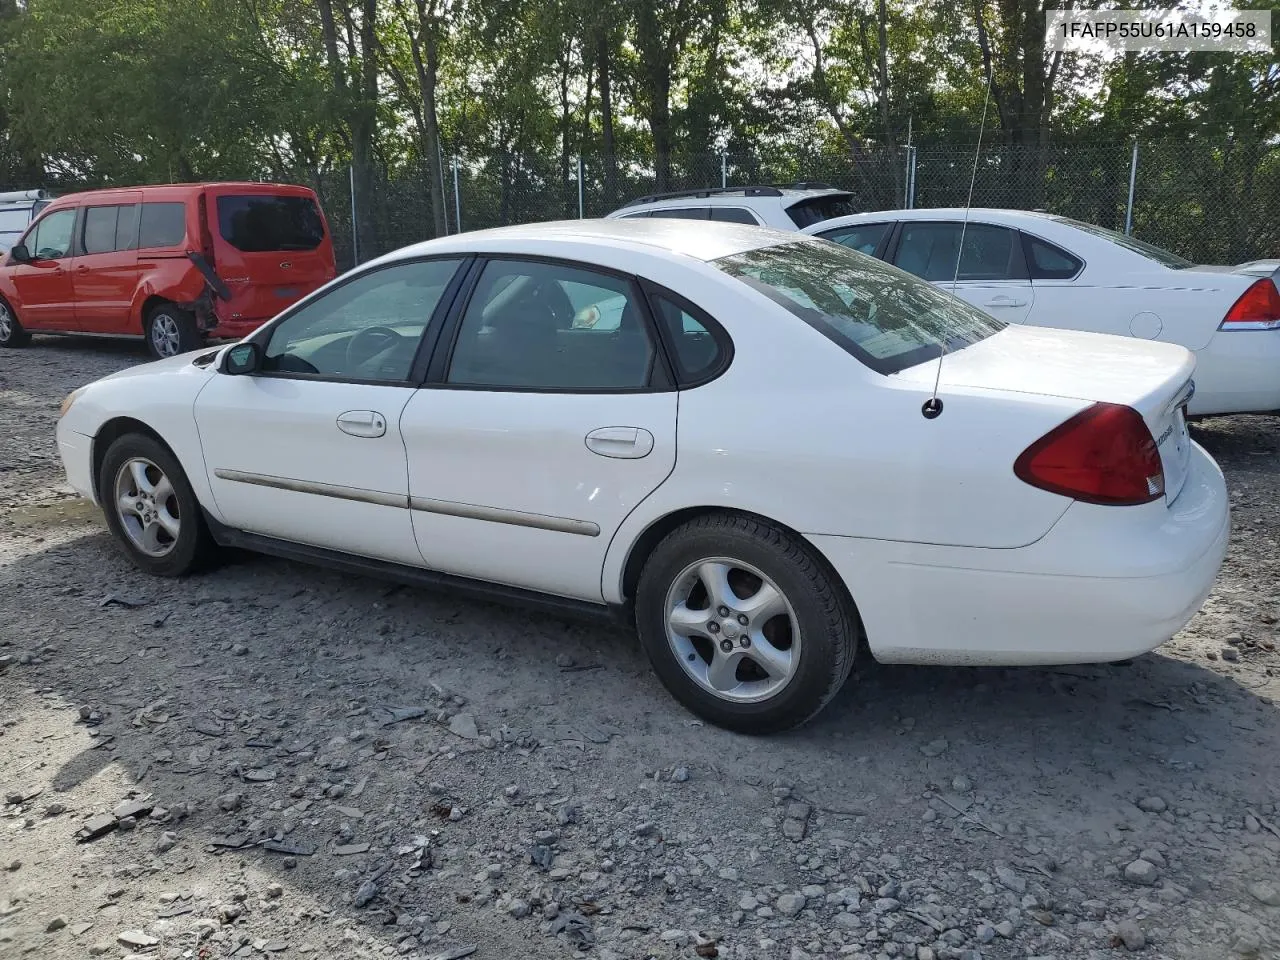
(286, 265)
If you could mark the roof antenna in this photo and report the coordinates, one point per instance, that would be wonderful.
(933, 406)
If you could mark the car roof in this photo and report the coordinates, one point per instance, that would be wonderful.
(734, 196)
(987, 214)
(180, 189)
(710, 241)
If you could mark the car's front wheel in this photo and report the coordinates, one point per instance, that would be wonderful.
(744, 624)
(171, 331)
(11, 332)
(151, 508)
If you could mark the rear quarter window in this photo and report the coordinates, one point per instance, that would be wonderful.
(162, 225)
(260, 224)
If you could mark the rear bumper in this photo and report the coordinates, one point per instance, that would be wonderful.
(76, 451)
(1106, 583)
(1238, 371)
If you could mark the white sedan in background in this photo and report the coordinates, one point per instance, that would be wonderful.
(727, 437)
(1050, 271)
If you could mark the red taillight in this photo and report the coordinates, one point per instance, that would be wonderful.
(1104, 454)
(1257, 309)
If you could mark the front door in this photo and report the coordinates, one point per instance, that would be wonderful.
(44, 284)
(550, 421)
(309, 449)
(106, 271)
(992, 272)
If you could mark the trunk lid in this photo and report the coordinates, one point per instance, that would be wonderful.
(1153, 378)
(271, 247)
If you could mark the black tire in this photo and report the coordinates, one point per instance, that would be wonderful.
(193, 548)
(170, 330)
(11, 332)
(828, 622)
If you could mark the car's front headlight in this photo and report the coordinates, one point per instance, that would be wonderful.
(68, 401)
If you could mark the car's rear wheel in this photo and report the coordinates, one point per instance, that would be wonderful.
(744, 624)
(11, 332)
(151, 508)
(171, 331)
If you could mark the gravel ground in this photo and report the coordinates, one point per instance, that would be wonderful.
(284, 761)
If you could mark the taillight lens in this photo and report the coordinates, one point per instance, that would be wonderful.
(1257, 309)
(1104, 454)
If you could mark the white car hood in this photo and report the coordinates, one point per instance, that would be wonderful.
(167, 365)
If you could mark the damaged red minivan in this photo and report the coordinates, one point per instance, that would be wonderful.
(174, 263)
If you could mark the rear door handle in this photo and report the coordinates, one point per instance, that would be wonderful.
(622, 443)
(362, 423)
(1005, 302)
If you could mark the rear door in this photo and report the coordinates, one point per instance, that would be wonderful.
(44, 285)
(106, 269)
(271, 247)
(993, 273)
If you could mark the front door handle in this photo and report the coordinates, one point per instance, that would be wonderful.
(622, 443)
(362, 423)
(1005, 302)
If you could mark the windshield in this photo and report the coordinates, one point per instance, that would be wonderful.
(258, 224)
(1150, 251)
(823, 207)
(886, 318)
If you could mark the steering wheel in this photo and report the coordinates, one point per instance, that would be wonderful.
(372, 341)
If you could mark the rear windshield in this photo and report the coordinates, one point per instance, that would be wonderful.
(813, 210)
(886, 318)
(1148, 250)
(258, 223)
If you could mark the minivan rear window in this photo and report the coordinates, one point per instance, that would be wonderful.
(257, 223)
(813, 210)
(886, 318)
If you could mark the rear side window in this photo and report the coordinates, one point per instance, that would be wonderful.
(733, 215)
(683, 213)
(806, 213)
(929, 250)
(162, 225)
(261, 224)
(14, 220)
(886, 319)
(1047, 262)
(863, 237)
(102, 232)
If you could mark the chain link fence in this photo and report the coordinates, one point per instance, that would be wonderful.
(1210, 202)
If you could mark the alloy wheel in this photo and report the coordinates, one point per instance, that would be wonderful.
(6, 324)
(165, 337)
(147, 506)
(732, 630)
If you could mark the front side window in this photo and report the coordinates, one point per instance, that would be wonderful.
(260, 224)
(162, 225)
(366, 329)
(885, 318)
(863, 237)
(51, 238)
(928, 250)
(551, 327)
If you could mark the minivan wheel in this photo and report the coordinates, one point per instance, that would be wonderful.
(11, 332)
(171, 331)
(744, 624)
(151, 509)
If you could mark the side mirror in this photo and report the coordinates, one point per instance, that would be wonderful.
(242, 358)
(19, 253)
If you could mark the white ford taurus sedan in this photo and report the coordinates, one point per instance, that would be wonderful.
(1049, 271)
(726, 435)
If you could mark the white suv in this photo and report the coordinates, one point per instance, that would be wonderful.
(791, 207)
